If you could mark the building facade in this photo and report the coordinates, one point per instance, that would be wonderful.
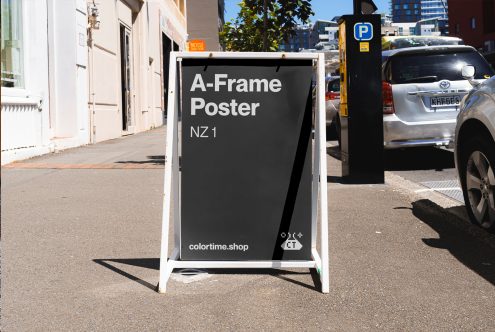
(404, 11)
(431, 9)
(298, 41)
(43, 77)
(475, 24)
(205, 20)
(77, 72)
(319, 33)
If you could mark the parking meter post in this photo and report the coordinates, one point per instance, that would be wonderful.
(361, 114)
(357, 7)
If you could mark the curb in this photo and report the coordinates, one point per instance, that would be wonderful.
(438, 205)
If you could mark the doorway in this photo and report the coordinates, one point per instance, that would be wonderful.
(166, 49)
(125, 76)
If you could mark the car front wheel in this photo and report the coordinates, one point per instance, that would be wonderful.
(478, 181)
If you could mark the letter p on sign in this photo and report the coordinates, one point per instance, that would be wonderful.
(363, 31)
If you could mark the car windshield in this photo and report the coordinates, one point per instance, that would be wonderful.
(334, 85)
(421, 68)
(415, 42)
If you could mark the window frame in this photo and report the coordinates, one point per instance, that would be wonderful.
(21, 91)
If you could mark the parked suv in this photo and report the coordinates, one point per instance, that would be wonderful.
(475, 151)
(422, 90)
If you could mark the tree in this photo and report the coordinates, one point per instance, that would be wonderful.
(262, 25)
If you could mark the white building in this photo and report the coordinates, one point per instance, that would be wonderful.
(405, 29)
(44, 77)
(76, 72)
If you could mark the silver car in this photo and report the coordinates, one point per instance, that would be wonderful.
(475, 151)
(422, 91)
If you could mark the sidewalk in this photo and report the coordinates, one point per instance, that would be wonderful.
(81, 241)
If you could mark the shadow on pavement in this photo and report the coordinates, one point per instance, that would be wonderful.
(154, 263)
(334, 151)
(150, 263)
(155, 160)
(471, 245)
(418, 159)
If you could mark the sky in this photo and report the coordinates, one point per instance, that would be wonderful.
(324, 9)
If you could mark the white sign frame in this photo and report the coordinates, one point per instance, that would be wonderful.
(171, 198)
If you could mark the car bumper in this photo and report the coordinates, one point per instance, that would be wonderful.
(401, 134)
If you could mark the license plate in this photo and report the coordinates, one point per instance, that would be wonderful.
(445, 101)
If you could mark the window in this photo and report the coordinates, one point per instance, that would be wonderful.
(418, 68)
(11, 44)
(457, 28)
(406, 6)
(488, 13)
(473, 23)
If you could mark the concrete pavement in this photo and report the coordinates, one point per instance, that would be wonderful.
(81, 243)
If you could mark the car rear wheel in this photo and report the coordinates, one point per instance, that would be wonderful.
(478, 181)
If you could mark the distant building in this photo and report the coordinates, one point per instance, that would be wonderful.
(386, 20)
(205, 20)
(433, 27)
(475, 24)
(404, 11)
(300, 40)
(415, 10)
(431, 9)
(405, 29)
(319, 33)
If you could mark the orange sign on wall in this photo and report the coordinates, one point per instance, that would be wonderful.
(197, 45)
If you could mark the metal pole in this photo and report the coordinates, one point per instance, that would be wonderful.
(357, 7)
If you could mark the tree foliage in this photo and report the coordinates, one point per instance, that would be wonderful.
(246, 31)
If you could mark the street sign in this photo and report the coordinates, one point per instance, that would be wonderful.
(246, 192)
(363, 31)
(196, 45)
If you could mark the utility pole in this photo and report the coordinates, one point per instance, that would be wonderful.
(265, 26)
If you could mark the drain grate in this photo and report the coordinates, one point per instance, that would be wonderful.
(449, 188)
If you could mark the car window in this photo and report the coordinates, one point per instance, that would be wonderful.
(334, 85)
(419, 68)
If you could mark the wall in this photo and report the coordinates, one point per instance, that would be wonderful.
(203, 22)
(460, 17)
(145, 22)
(49, 112)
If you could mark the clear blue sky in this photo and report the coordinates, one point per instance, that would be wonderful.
(323, 9)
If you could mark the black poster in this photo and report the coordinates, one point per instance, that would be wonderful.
(246, 159)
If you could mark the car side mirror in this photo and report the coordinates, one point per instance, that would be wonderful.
(468, 73)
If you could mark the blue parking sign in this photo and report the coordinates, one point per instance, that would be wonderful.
(363, 31)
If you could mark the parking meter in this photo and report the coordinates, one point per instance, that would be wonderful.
(361, 115)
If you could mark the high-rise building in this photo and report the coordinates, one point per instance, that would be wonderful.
(416, 10)
(404, 11)
(434, 9)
